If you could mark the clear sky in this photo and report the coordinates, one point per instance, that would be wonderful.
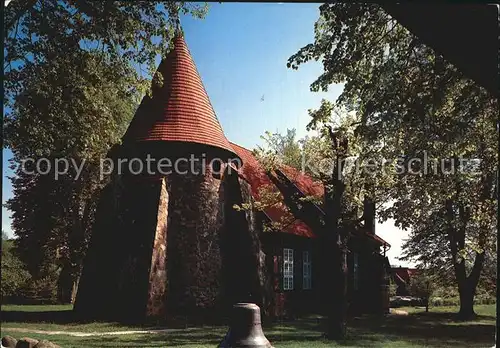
(241, 51)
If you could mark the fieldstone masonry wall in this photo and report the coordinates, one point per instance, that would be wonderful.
(139, 220)
(156, 306)
(159, 247)
(194, 260)
(116, 274)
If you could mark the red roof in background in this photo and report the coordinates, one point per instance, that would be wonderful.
(404, 273)
(180, 110)
(253, 172)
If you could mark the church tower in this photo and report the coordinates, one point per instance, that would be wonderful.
(155, 249)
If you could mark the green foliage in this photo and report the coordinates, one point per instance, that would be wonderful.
(72, 112)
(127, 33)
(422, 285)
(285, 148)
(14, 273)
(279, 150)
(42, 290)
(392, 287)
(417, 113)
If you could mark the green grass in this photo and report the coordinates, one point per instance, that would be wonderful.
(486, 310)
(438, 328)
(36, 308)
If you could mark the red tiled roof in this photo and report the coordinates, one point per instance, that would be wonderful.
(304, 182)
(180, 110)
(253, 172)
(365, 232)
(405, 273)
(378, 239)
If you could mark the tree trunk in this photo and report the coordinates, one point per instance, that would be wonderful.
(466, 303)
(466, 284)
(74, 289)
(337, 316)
(427, 305)
(64, 285)
(335, 240)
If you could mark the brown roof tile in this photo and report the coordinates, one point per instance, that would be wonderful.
(180, 110)
(253, 172)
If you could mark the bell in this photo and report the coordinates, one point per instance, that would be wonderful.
(245, 330)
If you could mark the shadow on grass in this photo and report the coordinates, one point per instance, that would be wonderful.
(426, 329)
(56, 317)
(430, 327)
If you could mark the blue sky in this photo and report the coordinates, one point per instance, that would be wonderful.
(241, 51)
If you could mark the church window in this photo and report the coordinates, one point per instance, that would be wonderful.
(287, 269)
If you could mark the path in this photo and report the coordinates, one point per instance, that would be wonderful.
(397, 312)
(89, 334)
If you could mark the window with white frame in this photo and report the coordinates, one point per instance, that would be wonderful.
(287, 269)
(306, 270)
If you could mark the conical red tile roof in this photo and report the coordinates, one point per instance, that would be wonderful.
(180, 110)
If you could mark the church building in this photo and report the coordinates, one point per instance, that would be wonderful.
(171, 243)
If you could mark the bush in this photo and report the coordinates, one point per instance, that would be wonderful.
(451, 301)
(19, 286)
(422, 285)
(485, 299)
(43, 289)
(455, 300)
(14, 273)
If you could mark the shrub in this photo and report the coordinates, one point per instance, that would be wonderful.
(14, 273)
(422, 286)
(43, 290)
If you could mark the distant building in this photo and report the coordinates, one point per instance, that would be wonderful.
(173, 244)
(401, 277)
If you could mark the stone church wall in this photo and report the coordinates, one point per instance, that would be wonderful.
(172, 246)
(193, 253)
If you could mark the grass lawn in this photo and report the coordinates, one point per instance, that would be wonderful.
(438, 328)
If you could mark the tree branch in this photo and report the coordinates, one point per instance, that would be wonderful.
(18, 15)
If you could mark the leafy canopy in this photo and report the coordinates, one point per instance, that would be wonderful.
(418, 116)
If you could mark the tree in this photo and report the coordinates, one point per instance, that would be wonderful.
(126, 33)
(285, 148)
(341, 203)
(73, 114)
(416, 110)
(393, 288)
(422, 285)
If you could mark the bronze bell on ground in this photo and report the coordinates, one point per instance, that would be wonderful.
(245, 330)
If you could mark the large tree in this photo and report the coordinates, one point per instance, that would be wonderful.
(65, 113)
(127, 33)
(416, 110)
(325, 157)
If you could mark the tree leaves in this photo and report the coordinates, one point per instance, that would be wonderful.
(413, 105)
(126, 33)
